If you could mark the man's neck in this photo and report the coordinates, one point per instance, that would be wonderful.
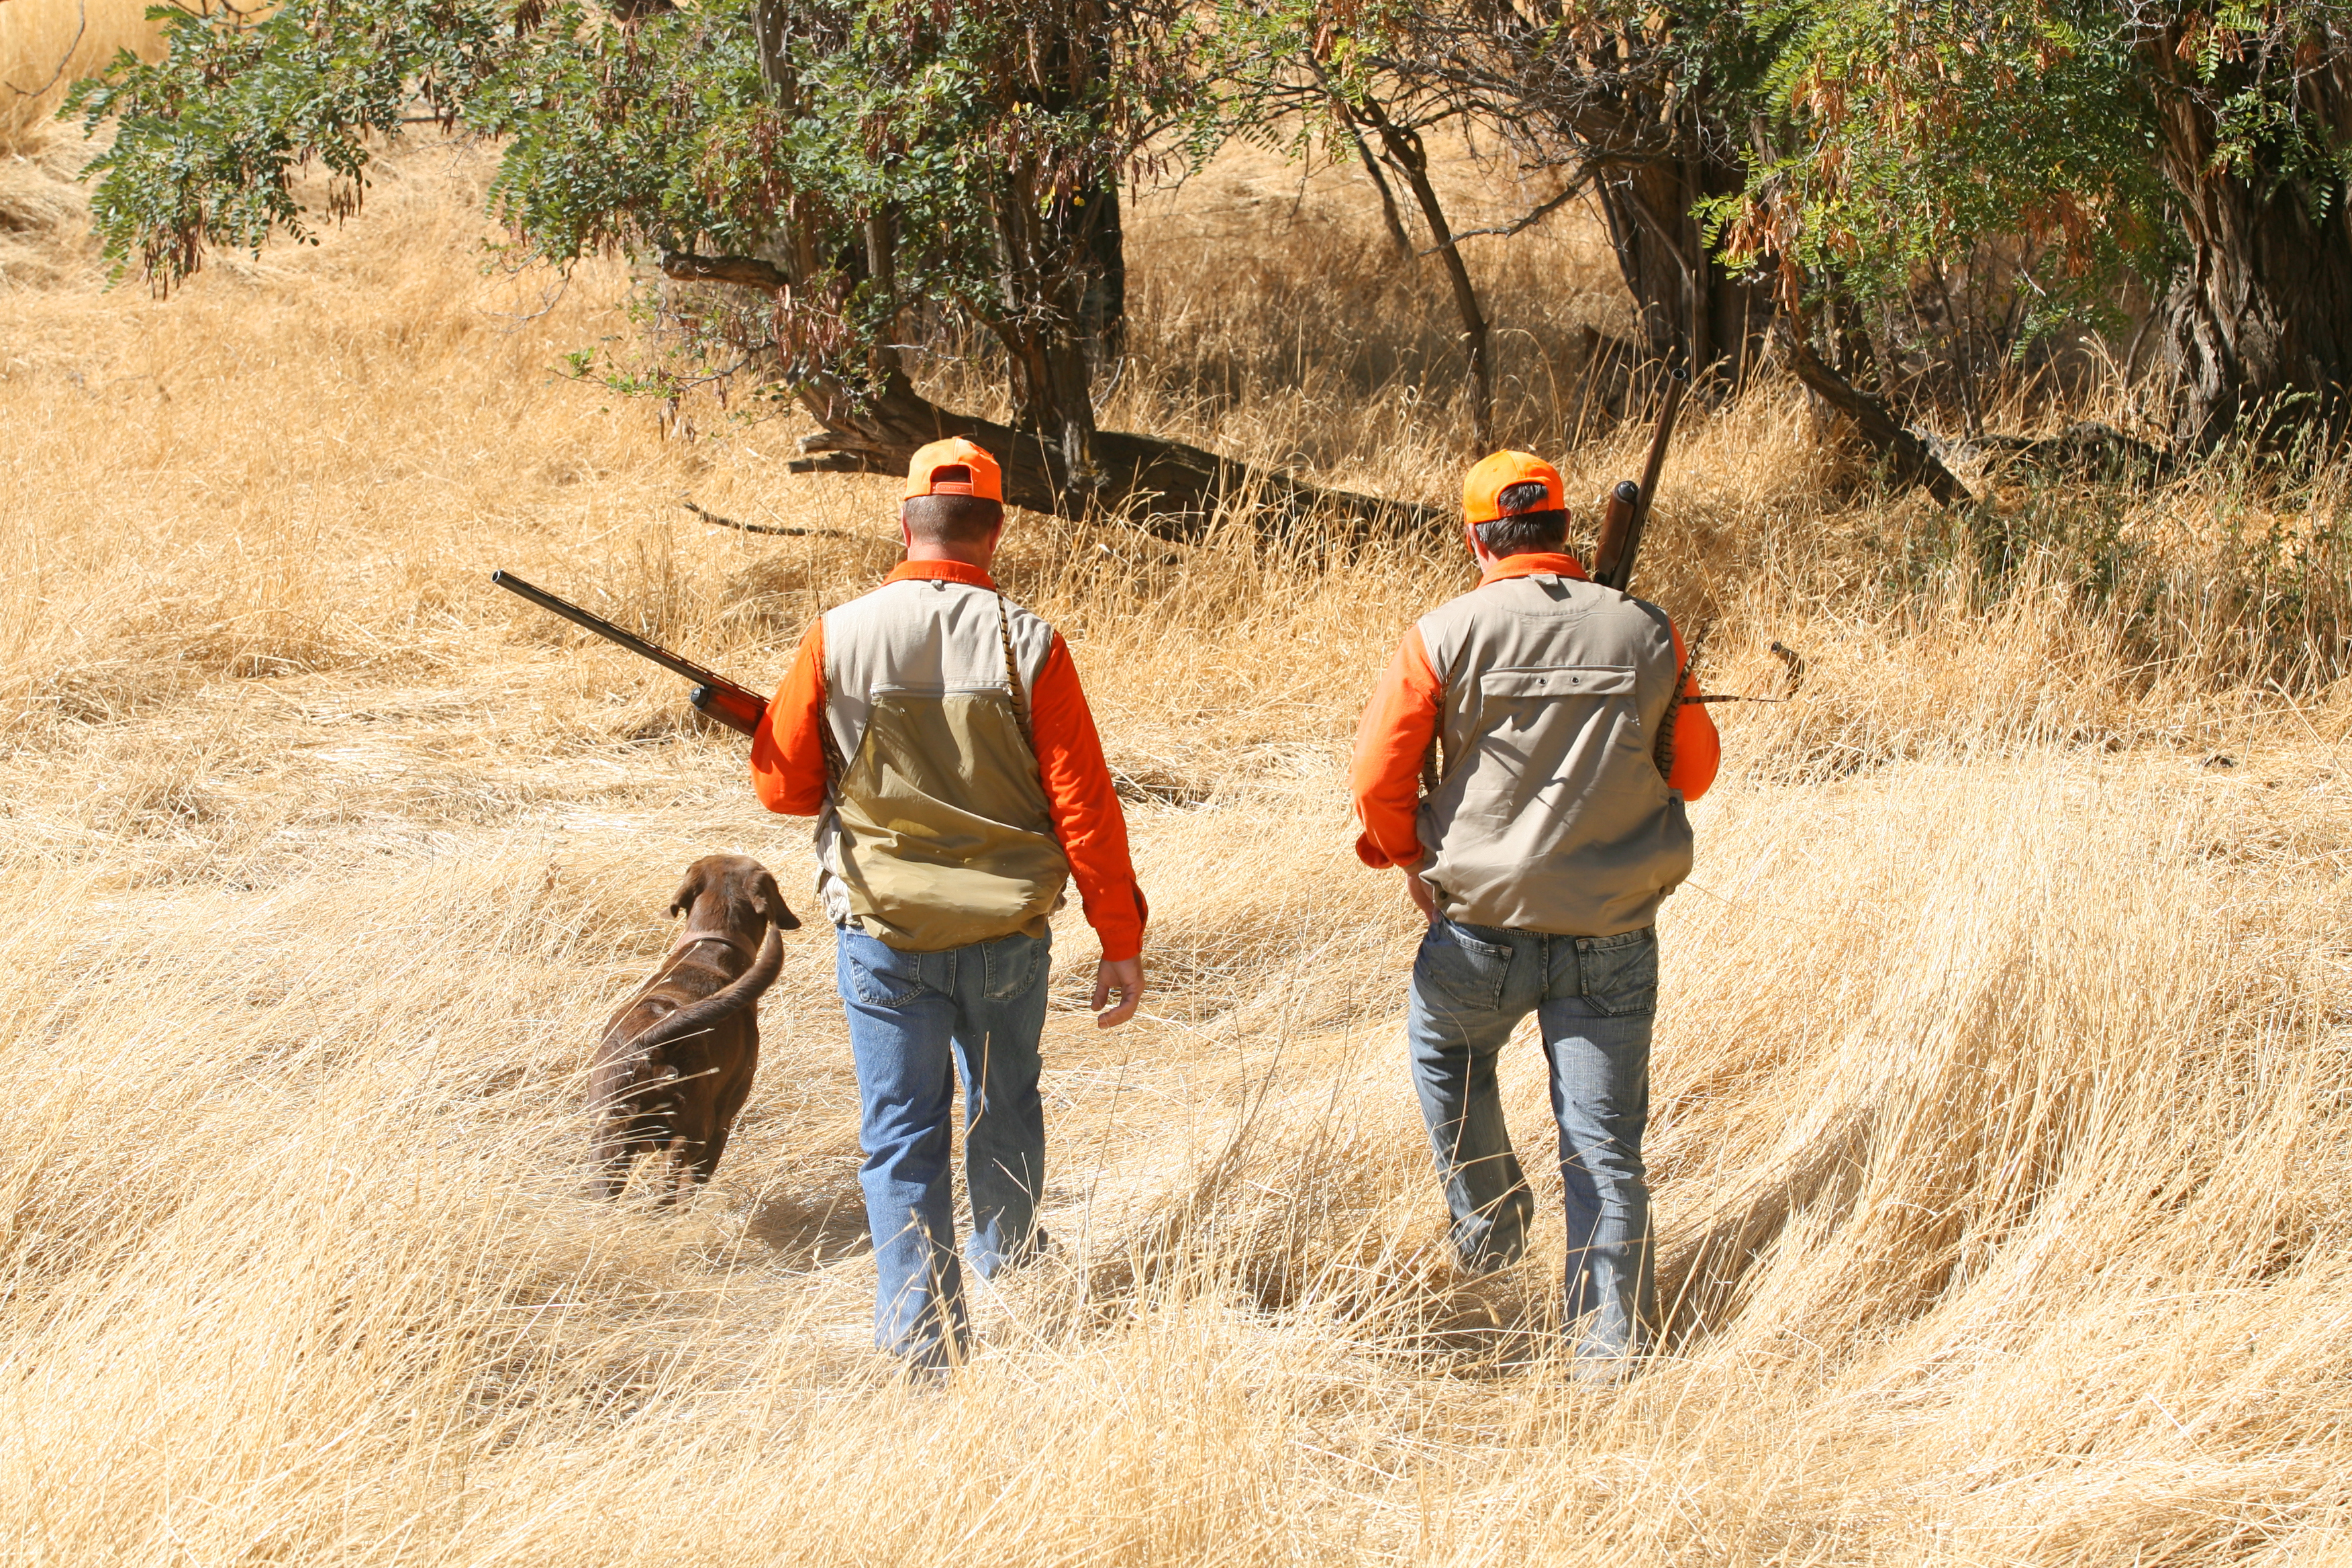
(1526, 562)
(973, 555)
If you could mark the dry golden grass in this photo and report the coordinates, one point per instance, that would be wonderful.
(2002, 1079)
(44, 45)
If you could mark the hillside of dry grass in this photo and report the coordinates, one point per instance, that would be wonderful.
(2001, 1095)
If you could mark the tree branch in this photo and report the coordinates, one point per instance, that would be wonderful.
(765, 528)
(1524, 221)
(1409, 157)
(744, 271)
(1908, 456)
(81, 27)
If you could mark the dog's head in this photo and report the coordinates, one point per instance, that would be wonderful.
(742, 884)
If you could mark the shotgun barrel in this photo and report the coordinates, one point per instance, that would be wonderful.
(737, 707)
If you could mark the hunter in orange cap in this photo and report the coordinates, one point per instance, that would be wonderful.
(937, 732)
(954, 466)
(1508, 765)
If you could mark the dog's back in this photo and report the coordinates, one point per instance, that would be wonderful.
(676, 1063)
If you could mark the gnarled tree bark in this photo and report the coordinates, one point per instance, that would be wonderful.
(2258, 324)
(1687, 300)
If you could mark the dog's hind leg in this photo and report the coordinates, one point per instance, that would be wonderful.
(612, 1154)
(681, 1173)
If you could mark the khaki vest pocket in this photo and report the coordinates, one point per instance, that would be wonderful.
(945, 835)
(1561, 680)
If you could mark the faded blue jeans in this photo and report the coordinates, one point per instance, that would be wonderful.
(1593, 998)
(916, 1019)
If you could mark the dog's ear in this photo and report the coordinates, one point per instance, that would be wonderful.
(769, 900)
(688, 891)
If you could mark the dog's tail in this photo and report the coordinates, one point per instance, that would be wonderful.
(743, 991)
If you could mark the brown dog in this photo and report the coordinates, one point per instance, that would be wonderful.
(676, 1062)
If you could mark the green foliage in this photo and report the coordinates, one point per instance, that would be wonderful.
(2251, 61)
(908, 134)
(208, 138)
(1912, 135)
(1909, 135)
(1270, 72)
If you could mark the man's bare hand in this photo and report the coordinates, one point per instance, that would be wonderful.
(1124, 976)
(1418, 891)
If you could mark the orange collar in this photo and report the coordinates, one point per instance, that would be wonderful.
(941, 572)
(1533, 566)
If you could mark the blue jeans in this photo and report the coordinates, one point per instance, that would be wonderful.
(1593, 998)
(909, 1014)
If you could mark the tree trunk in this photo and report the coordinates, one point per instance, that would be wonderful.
(2258, 324)
(1043, 252)
(1909, 459)
(1688, 303)
(1410, 158)
(1388, 214)
(1105, 311)
(1653, 153)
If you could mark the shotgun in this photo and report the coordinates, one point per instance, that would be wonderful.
(1624, 513)
(1626, 509)
(736, 707)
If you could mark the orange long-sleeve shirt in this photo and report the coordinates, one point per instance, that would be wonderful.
(788, 768)
(1402, 717)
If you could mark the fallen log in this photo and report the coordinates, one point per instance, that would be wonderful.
(1170, 489)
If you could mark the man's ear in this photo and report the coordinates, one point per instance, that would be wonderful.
(905, 534)
(1478, 551)
(769, 900)
(688, 891)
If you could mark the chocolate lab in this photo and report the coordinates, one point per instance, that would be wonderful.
(676, 1062)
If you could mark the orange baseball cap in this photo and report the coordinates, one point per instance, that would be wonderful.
(1498, 473)
(932, 471)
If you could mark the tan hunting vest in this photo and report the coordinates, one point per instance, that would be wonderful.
(1548, 812)
(936, 832)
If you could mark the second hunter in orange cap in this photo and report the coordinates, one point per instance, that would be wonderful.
(1537, 850)
(954, 466)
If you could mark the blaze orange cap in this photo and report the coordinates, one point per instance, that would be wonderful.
(980, 476)
(1493, 475)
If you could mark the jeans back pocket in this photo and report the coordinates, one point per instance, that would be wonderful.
(1012, 964)
(877, 974)
(1619, 973)
(1468, 972)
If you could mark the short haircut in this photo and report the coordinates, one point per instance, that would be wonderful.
(951, 518)
(1517, 532)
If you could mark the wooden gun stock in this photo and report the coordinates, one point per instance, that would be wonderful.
(1617, 512)
(1627, 509)
(737, 707)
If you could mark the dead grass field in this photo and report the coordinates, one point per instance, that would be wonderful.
(2001, 1099)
